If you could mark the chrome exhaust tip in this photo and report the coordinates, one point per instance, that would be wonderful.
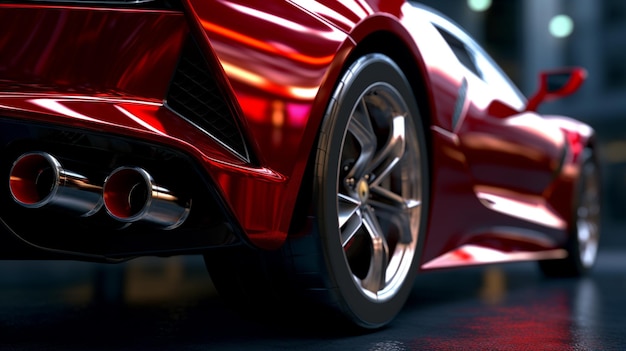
(131, 195)
(37, 179)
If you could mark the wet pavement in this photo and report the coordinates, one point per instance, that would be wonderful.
(169, 304)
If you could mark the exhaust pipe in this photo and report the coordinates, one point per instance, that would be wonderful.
(37, 179)
(130, 195)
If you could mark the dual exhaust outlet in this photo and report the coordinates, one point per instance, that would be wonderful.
(129, 194)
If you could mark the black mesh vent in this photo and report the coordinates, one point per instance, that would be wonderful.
(194, 95)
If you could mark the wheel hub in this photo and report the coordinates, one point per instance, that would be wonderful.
(363, 190)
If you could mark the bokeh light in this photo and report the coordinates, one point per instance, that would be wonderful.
(479, 5)
(561, 26)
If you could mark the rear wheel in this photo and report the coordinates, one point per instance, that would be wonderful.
(582, 246)
(370, 197)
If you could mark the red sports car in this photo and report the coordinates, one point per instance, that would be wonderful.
(313, 151)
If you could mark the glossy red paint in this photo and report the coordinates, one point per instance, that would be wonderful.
(277, 64)
(89, 51)
(275, 75)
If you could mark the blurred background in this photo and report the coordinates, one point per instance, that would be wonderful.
(526, 36)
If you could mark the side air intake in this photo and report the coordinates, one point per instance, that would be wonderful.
(195, 96)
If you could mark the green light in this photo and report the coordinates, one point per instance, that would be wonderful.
(561, 26)
(479, 5)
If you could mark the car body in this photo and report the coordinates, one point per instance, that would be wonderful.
(318, 149)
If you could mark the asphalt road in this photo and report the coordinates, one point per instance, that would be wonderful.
(169, 304)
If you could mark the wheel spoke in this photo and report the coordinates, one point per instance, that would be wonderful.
(361, 128)
(389, 201)
(347, 208)
(389, 156)
(350, 220)
(397, 209)
(375, 278)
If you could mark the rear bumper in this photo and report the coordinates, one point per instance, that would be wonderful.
(64, 216)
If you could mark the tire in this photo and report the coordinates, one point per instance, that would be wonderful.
(584, 238)
(369, 203)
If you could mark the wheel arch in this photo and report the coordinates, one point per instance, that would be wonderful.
(392, 45)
